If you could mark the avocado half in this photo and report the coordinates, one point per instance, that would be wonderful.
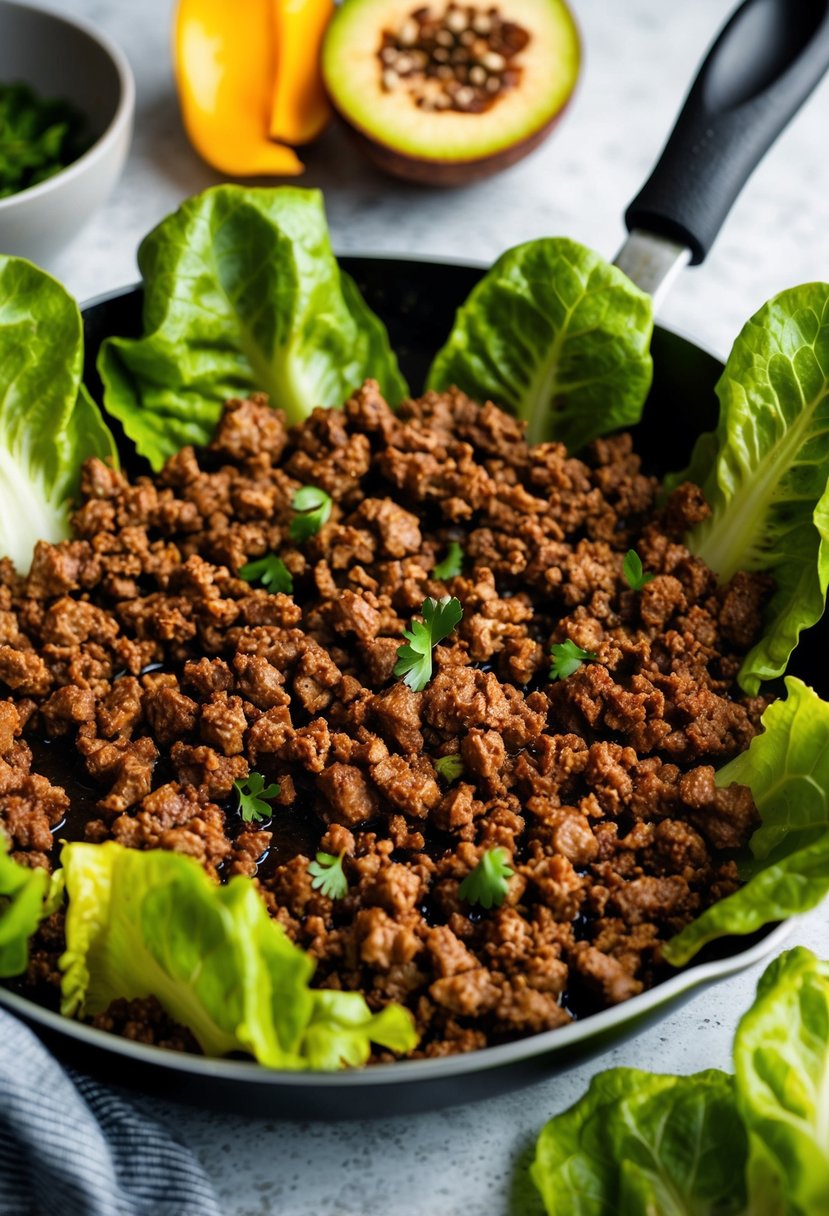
(450, 93)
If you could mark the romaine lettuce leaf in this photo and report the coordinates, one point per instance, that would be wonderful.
(786, 767)
(153, 923)
(638, 1143)
(48, 423)
(22, 895)
(556, 335)
(781, 1056)
(242, 292)
(765, 472)
(341, 1026)
(709, 1144)
(784, 888)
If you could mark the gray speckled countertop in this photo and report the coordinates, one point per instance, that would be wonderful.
(639, 57)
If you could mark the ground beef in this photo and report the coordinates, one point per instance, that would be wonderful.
(140, 677)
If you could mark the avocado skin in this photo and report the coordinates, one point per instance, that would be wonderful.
(448, 173)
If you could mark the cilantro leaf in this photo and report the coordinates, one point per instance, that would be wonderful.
(254, 797)
(567, 658)
(449, 768)
(271, 572)
(414, 657)
(635, 577)
(313, 507)
(452, 564)
(487, 883)
(327, 875)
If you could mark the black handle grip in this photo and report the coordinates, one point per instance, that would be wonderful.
(758, 73)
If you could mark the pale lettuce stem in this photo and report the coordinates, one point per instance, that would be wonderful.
(727, 543)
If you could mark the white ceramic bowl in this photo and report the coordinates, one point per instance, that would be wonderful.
(67, 59)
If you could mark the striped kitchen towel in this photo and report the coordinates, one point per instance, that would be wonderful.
(70, 1147)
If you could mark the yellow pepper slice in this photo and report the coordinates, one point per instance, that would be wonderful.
(225, 61)
(300, 109)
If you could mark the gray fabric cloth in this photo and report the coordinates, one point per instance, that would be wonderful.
(70, 1147)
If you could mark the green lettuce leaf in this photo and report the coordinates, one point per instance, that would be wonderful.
(755, 1144)
(22, 895)
(640, 1144)
(341, 1026)
(786, 767)
(242, 293)
(556, 335)
(781, 1056)
(766, 469)
(48, 423)
(153, 923)
(787, 887)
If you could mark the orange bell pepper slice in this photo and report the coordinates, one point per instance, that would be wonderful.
(300, 109)
(225, 60)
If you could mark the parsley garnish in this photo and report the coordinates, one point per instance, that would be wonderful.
(449, 767)
(313, 507)
(452, 564)
(414, 657)
(487, 883)
(567, 658)
(327, 875)
(38, 137)
(254, 797)
(634, 574)
(271, 572)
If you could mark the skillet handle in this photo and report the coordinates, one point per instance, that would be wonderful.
(762, 67)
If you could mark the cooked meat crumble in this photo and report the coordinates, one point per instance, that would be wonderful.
(136, 649)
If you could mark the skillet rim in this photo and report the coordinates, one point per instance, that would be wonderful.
(547, 1042)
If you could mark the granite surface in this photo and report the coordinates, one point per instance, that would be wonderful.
(639, 57)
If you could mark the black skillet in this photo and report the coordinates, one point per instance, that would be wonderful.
(763, 66)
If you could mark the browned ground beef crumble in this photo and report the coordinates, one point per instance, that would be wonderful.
(138, 650)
